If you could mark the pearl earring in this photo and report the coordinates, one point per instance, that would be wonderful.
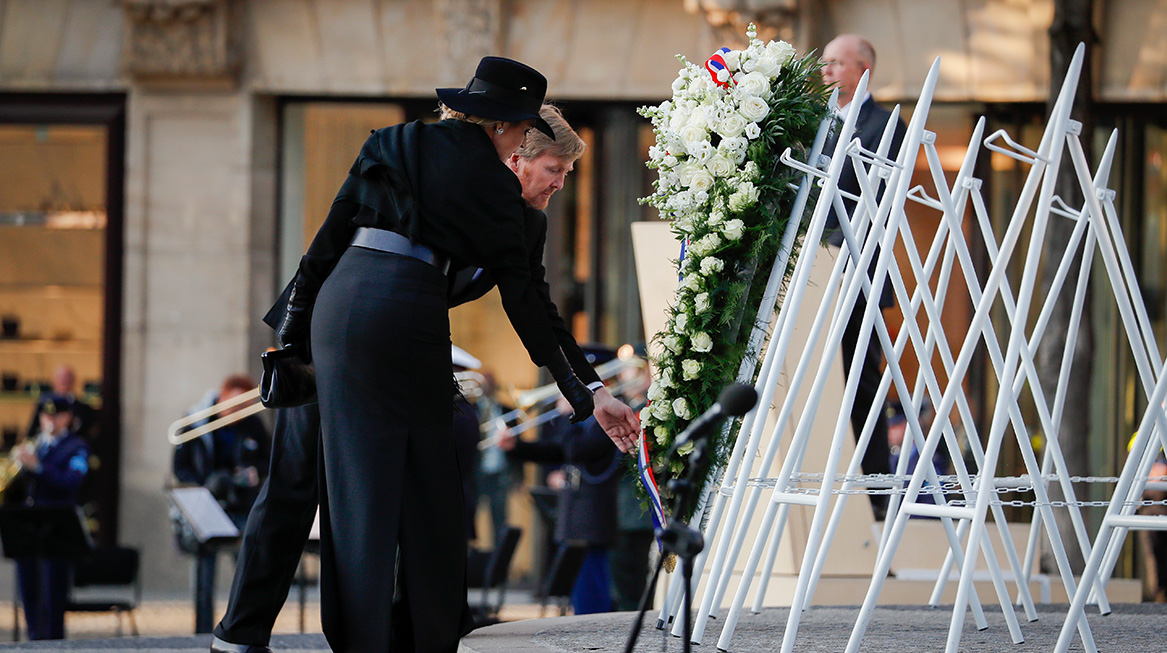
(499, 130)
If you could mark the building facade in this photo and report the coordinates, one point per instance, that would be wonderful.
(172, 158)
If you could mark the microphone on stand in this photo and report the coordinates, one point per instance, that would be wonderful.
(735, 400)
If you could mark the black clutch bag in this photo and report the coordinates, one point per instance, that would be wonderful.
(288, 379)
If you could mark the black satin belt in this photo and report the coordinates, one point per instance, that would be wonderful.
(392, 242)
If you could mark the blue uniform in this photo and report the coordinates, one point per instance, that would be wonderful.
(44, 583)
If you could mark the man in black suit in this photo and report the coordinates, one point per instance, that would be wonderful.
(281, 520)
(845, 59)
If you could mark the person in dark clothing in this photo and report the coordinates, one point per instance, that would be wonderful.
(845, 59)
(274, 538)
(369, 301)
(588, 480)
(64, 385)
(230, 462)
(53, 465)
(633, 550)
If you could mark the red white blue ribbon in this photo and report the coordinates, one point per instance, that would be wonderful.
(649, 482)
(716, 64)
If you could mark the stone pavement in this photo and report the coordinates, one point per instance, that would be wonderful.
(1133, 628)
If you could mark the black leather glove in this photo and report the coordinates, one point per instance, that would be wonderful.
(294, 329)
(574, 390)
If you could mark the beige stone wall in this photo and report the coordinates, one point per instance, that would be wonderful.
(188, 304)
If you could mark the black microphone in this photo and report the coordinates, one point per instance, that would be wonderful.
(735, 400)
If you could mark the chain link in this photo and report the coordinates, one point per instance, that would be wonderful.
(949, 485)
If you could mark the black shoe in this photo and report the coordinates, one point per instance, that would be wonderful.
(220, 646)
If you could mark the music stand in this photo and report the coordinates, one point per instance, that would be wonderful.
(40, 532)
(212, 529)
(44, 532)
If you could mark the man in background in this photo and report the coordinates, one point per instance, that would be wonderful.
(845, 59)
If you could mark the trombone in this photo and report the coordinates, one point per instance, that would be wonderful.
(543, 399)
(176, 437)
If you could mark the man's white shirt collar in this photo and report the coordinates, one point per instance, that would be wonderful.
(841, 112)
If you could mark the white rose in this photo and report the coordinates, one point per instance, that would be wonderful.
(666, 378)
(754, 108)
(732, 59)
(686, 171)
(701, 302)
(702, 116)
(745, 197)
(690, 369)
(767, 65)
(661, 433)
(692, 282)
(710, 242)
(716, 217)
(686, 449)
(755, 84)
(711, 266)
(753, 131)
(655, 392)
(645, 413)
(681, 408)
(701, 180)
(719, 166)
(732, 125)
(692, 135)
(672, 343)
(679, 119)
(734, 229)
(702, 342)
(780, 50)
(661, 411)
(680, 322)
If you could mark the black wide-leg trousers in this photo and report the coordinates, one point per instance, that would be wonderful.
(277, 529)
(392, 493)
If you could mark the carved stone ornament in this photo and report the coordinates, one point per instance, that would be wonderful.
(471, 29)
(180, 41)
(775, 19)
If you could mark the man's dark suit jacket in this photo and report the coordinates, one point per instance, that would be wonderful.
(869, 130)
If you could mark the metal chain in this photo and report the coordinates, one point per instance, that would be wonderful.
(950, 484)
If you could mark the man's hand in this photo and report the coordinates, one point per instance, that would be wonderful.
(507, 439)
(617, 419)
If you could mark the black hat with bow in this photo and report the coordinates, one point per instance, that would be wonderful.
(501, 89)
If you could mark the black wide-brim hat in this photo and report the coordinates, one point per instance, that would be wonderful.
(501, 89)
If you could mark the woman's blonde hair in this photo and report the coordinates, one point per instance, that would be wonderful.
(446, 113)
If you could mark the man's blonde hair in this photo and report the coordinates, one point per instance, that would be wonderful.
(567, 144)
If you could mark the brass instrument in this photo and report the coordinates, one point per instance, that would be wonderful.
(470, 383)
(177, 438)
(10, 465)
(542, 400)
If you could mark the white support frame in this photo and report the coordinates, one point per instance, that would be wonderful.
(871, 233)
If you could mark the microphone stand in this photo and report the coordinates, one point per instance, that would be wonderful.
(677, 538)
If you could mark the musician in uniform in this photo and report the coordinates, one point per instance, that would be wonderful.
(53, 466)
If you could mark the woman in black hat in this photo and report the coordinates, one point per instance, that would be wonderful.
(421, 202)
